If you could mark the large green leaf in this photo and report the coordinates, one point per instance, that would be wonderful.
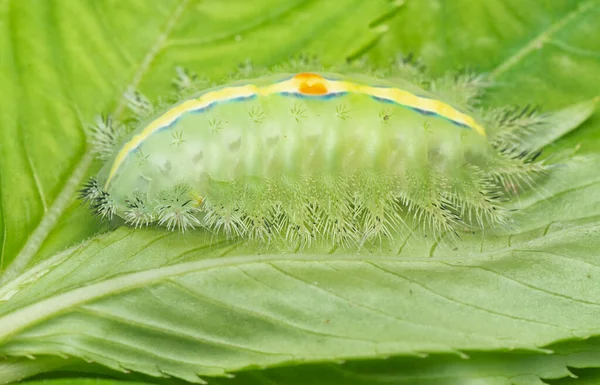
(143, 300)
(166, 304)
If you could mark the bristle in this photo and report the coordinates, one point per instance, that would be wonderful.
(99, 200)
(224, 218)
(181, 217)
(138, 103)
(464, 88)
(90, 191)
(258, 210)
(477, 199)
(177, 209)
(410, 68)
(376, 206)
(138, 213)
(333, 210)
(299, 63)
(185, 81)
(293, 211)
(510, 125)
(185, 84)
(515, 171)
(104, 206)
(105, 135)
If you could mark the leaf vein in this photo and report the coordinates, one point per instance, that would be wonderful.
(260, 315)
(541, 39)
(388, 315)
(527, 285)
(466, 303)
(252, 25)
(86, 309)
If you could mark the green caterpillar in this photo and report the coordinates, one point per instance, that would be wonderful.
(311, 157)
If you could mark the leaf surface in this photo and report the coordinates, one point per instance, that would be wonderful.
(183, 306)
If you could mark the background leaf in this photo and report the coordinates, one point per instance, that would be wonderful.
(64, 61)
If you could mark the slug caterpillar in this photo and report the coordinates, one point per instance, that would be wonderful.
(316, 156)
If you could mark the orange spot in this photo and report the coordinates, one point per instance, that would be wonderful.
(311, 84)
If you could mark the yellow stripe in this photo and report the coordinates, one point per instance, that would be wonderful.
(291, 85)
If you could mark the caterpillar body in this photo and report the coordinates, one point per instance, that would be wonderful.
(311, 157)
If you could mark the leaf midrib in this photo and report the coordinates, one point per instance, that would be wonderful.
(20, 319)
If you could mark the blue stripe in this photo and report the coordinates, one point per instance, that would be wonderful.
(422, 112)
(299, 95)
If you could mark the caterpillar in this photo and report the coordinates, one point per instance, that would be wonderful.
(315, 156)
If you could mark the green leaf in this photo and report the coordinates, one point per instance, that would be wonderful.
(168, 305)
(142, 300)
